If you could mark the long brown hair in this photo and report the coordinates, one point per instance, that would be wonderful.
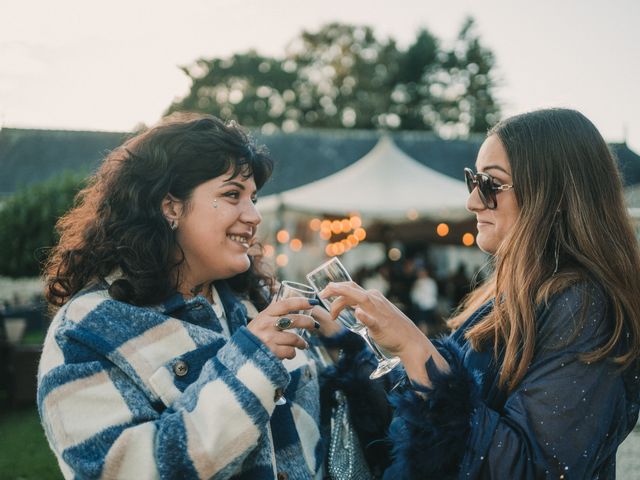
(118, 223)
(573, 226)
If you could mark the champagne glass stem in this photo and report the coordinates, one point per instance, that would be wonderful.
(364, 333)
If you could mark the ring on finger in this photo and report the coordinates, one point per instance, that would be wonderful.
(283, 323)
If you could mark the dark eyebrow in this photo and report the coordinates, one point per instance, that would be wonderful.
(239, 185)
(496, 167)
(236, 184)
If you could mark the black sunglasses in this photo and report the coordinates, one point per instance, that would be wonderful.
(488, 188)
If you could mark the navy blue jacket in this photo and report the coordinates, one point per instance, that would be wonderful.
(565, 419)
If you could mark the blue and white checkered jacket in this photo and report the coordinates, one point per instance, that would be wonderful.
(160, 392)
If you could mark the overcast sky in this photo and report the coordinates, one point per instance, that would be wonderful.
(82, 64)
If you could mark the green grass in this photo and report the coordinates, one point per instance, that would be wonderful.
(25, 452)
(35, 337)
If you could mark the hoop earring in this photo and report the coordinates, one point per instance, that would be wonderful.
(173, 224)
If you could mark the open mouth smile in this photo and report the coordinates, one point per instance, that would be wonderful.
(241, 239)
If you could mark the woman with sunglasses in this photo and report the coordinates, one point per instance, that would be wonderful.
(540, 379)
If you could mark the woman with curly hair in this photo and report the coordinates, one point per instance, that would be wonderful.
(150, 368)
(540, 379)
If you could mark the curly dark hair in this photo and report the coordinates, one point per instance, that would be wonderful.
(117, 220)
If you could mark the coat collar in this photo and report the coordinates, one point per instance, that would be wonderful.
(235, 311)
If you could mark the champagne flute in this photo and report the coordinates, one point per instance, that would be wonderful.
(290, 289)
(334, 271)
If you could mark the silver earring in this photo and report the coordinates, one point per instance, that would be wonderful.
(173, 224)
(215, 203)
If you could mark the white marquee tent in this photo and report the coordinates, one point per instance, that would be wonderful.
(385, 185)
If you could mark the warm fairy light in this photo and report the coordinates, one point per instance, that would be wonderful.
(282, 236)
(353, 240)
(360, 234)
(442, 229)
(282, 260)
(325, 234)
(346, 225)
(412, 214)
(268, 251)
(336, 226)
(329, 250)
(355, 221)
(468, 239)
(346, 244)
(339, 248)
(394, 254)
(295, 245)
(325, 225)
(315, 224)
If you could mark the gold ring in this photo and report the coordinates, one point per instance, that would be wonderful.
(283, 323)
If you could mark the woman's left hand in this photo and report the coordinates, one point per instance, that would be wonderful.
(387, 325)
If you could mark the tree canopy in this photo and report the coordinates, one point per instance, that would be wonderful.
(27, 223)
(344, 76)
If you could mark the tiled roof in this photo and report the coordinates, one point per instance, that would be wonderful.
(28, 156)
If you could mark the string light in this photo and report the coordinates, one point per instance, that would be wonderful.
(282, 260)
(360, 234)
(394, 254)
(351, 228)
(295, 245)
(468, 239)
(282, 236)
(315, 224)
(442, 229)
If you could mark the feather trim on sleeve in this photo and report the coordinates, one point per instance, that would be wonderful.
(431, 426)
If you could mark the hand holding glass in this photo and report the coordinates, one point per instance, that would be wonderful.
(290, 290)
(334, 271)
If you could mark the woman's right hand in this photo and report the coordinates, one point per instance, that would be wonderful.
(387, 326)
(283, 343)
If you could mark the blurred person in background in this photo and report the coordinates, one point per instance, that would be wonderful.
(424, 297)
(378, 280)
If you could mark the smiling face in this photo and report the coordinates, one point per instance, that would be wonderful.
(215, 229)
(494, 225)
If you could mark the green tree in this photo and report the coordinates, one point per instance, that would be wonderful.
(344, 76)
(465, 85)
(27, 223)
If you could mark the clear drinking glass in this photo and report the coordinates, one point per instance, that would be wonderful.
(333, 271)
(290, 289)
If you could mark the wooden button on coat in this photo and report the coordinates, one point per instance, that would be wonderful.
(180, 368)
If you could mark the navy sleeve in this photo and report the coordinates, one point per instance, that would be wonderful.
(564, 420)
